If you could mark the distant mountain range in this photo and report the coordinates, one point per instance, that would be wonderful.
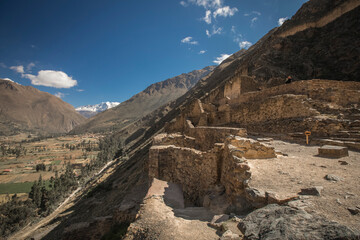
(91, 110)
(27, 109)
(143, 103)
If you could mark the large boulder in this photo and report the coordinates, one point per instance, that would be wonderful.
(284, 222)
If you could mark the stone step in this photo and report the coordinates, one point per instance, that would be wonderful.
(347, 139)
(297, 135)
(350, 145)
(352, 116)
(333, 151)
(355, 124)
(345, 134)
(350, 131)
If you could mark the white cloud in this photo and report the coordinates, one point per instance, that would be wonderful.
(30, 66)
(252, 13)
(237, 37)
(3, 65)
(245, 44)
(80, 90)
(188, 40)
(221, 58)
(207, 3)
(282, 20)
(253, 20)
(225, 11)
(183, 3)
(215, 30)
(19, 69)
(207, 17)
(59, 95)
(202, 52)
(50, 78)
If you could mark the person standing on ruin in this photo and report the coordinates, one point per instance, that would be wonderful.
(288, 80)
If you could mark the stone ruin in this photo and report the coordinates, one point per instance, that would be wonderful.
(210, 163)
(211, 160)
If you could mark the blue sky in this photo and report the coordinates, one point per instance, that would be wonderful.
(90, 51)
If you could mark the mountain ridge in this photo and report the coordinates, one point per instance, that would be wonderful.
(143, 103)
(25, 108)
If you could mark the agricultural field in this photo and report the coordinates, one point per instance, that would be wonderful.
(23, 158)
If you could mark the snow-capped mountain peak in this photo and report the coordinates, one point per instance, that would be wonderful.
(90, 110)
(98, 107)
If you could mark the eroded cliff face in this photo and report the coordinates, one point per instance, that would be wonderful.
(317, 15)
(320, 41)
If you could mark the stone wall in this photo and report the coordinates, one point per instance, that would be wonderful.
(196, 171)
(202, 172)
(299, 106)
(232, 88)
(206, 137)
(176, 139)
(277, 107)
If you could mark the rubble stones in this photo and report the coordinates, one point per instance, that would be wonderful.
(333, 178)
(353, 210)
(256, 197)
(314, 191)
(229, 235)
(218, 219)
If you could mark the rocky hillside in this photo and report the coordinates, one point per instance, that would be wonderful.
(143, 103)
(24, 108)
(210, 177)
